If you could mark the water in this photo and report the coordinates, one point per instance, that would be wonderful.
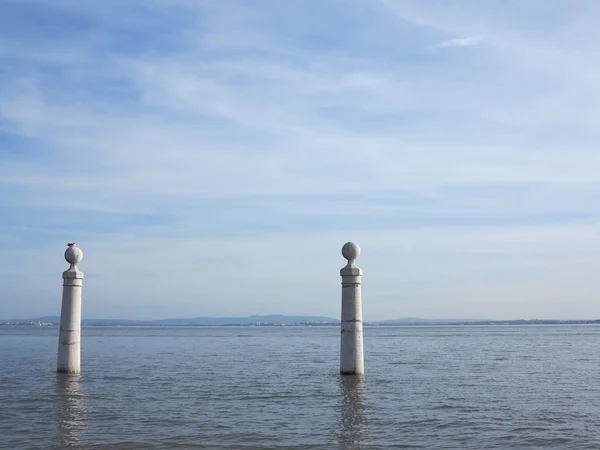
(237, 388)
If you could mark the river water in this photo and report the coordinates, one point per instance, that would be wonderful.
(278, 387)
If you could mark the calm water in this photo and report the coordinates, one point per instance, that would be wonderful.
(426, 387)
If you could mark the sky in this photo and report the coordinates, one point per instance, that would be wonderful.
(212, 157)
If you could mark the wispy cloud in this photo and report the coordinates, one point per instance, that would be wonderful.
(461, 42)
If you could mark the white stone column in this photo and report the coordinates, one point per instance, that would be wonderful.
(351, 350)
(69, 337)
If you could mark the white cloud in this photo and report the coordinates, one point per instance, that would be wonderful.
(461, 42)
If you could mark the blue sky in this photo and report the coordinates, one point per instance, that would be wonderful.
(211, 157)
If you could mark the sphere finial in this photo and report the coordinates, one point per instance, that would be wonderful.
(73, 254)
(350, 251)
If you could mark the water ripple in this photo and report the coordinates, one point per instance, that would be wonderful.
(426, 387)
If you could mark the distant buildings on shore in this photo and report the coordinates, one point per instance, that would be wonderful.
(38, 323)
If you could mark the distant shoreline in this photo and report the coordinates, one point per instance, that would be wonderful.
(423, 322)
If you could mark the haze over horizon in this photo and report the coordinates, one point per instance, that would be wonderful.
(279, 319)
(212, 157)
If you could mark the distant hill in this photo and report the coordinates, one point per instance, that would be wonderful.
(293, 320)
(251, 320)
(416, 320)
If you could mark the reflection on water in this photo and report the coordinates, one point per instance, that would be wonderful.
(353, 423)
(69, 409)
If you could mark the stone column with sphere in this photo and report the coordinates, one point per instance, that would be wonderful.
(351, 350)
(69, 338)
